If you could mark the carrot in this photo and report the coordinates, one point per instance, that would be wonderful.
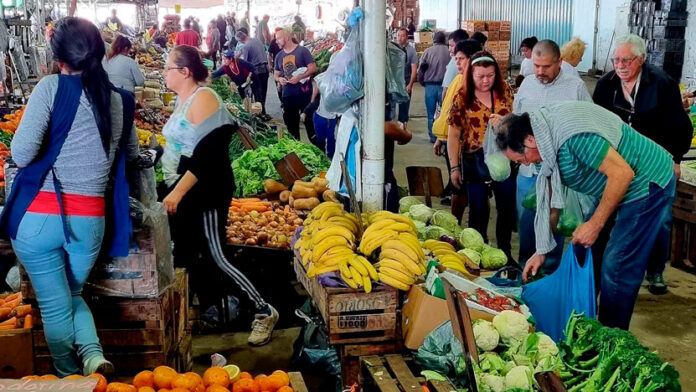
(12, 304)
(22, 310)
(5, 312)
(7, 327)
(2, 301)
(13, 297)
(29, 321)
(10, 321)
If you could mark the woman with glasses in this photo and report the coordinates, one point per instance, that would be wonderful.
(198, 172)
(648, 100)
(588, 149)
(483, 94)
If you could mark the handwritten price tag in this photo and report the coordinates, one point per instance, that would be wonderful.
(80, 385)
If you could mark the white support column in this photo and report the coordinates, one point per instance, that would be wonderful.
(373, 105)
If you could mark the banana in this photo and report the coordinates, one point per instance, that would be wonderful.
(393, 264)
(412, 241)
(394, 254)
(332, 259)
(368, 266)
(470, 263)
(349, 281)
(327, 244)
(431, 245)
(367, 284)
(331, 231)
(325, 269)
(386, 279)
(345, 271)
(319, 210)
(398, 275)
(369, 245)
(355, 263)
(401, 247)
(357, 276)
(400, 227)
(306, 258)
(461, 269)
(378, 216)
(451, 259)
(410, 265)
(311, 270)
(344, 221)
(375, 228)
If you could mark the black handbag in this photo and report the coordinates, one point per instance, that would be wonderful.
(472, 164)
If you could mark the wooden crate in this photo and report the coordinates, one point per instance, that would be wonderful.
(135, 334)
(395, 373)
(684, 228)
(18, 344)
(180, 303)
(350, 357)
(183, 356)
(353, 316)
(297, 382)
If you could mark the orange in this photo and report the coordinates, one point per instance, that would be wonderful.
(286, 389)
(163, 390)
(180, 390)
(120, 387)
(245, 375)
(73, 377)
(284, 376)
(245, 385)
(200, 387)
(265, 383)
(216, 376)
(144, 379)
(34, 377)
(101, 382)
(48, 377)
(185, 381)
(163, 376)
(217, 388)
(275, 382)
(146, 389)
(198, 378)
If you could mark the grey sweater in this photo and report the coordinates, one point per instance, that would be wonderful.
(123, 72)
(82, 166)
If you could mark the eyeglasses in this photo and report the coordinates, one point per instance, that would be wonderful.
(525, 161)
(166, 69)
(623, 61)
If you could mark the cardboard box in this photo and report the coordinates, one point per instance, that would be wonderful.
(421, 314)
(505, 26)
(493, 25)
(505, 35)
(423, 37)
(494, 35)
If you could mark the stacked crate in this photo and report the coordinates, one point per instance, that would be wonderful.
(663, 26)
(498, 44)
(140, 308)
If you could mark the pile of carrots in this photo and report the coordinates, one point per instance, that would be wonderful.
(13, 119)
(13, 313)
(250, 204)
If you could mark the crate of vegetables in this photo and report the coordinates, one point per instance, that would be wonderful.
(16, 321)
(255, 222)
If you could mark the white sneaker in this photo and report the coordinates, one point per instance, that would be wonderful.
(262, 328)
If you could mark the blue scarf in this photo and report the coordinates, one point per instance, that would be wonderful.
(29, 179)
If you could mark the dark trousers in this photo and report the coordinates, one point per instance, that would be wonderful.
(292, 109)
(262, 89)
(479, 210)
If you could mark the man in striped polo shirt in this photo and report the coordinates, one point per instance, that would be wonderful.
(588, 149)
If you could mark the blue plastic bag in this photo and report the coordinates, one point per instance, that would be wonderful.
(570, 287)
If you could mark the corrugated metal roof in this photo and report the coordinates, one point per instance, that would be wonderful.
(191, 3)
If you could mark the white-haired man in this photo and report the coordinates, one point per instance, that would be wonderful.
(648, 100)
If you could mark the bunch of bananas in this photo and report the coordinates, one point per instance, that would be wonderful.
(449, 258)
(357, 272)
(384, 226)
(401, 261)
(329, 235)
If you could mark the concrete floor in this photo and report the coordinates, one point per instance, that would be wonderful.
(666, 324)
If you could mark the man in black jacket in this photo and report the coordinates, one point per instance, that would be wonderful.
(646, 98)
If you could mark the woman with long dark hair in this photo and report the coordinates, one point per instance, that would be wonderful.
(123, 71)
(197, 169)
(76, 134)
(483, 94)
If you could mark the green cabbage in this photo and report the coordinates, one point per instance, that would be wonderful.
(422, 233)
(471, 239)
(421, 212)
(498, 166)
(472, 255)
(445, 220)
(567, 223)
(406, 202)
(419, 225)
(435, 232)
(493, 258)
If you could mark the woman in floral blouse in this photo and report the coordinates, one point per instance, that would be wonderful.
(483, 94)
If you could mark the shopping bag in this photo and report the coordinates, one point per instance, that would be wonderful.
(571, 215)
(396, 80)
(571, 287)
(342, 82)
(499, 166)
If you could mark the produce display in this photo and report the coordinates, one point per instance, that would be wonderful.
(447, 256)
(330, 244)
(227, 378)
(254, 167)
(13, 313)
(492, 300)
(255, 222)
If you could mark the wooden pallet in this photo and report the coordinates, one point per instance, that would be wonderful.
(394, 373)
(353, 316)
(350, 355)
(180, 303)
(684, 228)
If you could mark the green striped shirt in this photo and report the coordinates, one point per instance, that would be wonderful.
(580, 157)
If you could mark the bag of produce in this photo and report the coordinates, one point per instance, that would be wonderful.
(342, 83)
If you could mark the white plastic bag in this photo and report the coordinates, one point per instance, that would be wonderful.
(497, 163)
(342, 82)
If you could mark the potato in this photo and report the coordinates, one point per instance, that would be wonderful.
(300, 191)
(307, 203)
(285, 196)
(272, 187)
(330, 195)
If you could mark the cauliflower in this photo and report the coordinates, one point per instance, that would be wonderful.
(492, 383)
(519, 377)
(512, 326)
(487, 338)
(546, 346)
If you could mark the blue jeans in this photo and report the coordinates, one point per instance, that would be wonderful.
(58, 271)
(404, 107)
(433, 97)
(630, 245)
(479, 210)
(525, 229)
(324, 129)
